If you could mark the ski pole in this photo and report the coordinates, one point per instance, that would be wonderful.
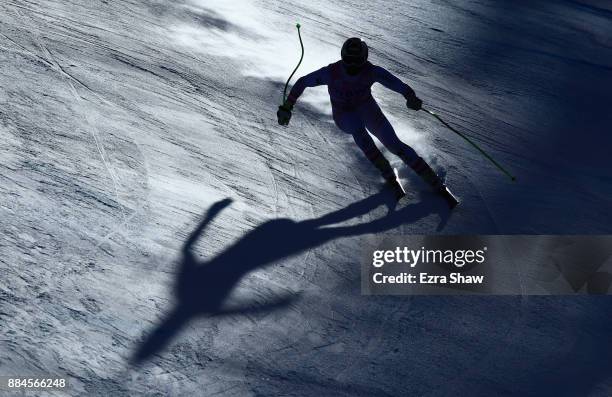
(502, 169)
(298, 26)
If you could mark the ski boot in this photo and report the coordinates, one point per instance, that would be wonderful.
(383, 165)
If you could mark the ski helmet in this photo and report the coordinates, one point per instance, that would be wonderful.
(354, 54)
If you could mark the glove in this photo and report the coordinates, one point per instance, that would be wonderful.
(414, 103)
(284, 113)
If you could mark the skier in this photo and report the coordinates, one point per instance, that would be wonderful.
(349, 83)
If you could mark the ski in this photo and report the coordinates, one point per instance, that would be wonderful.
(449, 197)
(398, 188)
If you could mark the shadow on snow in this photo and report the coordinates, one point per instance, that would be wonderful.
(202, 287)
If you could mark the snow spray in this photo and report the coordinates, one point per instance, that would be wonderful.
(471, 143)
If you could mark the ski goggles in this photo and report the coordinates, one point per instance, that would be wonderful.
(353, 61)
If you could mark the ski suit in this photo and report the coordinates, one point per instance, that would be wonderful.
(356, 112)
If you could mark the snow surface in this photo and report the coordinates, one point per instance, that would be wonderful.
(123, 122)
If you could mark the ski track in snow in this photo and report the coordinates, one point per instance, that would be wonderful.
(175, 103)
(94, 130)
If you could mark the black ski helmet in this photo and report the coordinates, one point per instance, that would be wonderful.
(354, 54)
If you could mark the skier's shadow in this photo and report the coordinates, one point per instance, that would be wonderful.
(202, 288)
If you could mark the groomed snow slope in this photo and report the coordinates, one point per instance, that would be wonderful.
(122, 123)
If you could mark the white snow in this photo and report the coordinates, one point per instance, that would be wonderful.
(122, 122)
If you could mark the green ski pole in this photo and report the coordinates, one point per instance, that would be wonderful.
(502, 169)
(298, 26)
